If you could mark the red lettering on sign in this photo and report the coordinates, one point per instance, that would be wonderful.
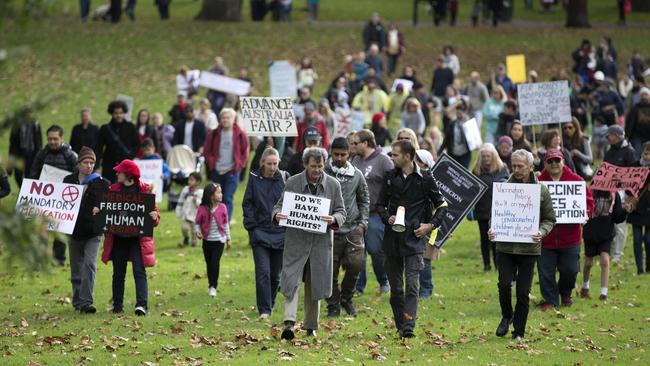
(45, 190)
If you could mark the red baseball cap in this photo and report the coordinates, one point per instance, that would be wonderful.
(128, 167)
(553, 154)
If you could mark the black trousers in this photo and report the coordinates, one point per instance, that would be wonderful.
(404, 275)
(125, 250)
(523, 266)
(212, 251)
(487, 246)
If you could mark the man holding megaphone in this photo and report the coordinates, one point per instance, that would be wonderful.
(406, 205)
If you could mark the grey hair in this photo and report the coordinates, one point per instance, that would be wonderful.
(268, 152)
(316, 153)
(229, 111)
(524, 155)
(84, 109)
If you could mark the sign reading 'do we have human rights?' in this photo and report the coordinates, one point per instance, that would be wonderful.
(268, 116)
(515, 211)
(305, 212)
(58, 203)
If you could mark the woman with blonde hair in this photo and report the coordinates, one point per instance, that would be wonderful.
(206, 114)
(412, 116)
(489, 168)
(408, 134)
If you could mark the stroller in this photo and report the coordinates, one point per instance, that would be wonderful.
(181, 161)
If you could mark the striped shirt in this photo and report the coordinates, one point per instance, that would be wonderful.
(215, 234)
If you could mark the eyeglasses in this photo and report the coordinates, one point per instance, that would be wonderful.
(553, 161)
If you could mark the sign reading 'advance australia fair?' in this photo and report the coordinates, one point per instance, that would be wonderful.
(515, 211)
(569, 201)
(267, 116)
(125, 213)
(305, 212)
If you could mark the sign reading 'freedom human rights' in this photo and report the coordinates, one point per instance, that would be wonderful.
(125, 213)
(268, 116)
(461, 190)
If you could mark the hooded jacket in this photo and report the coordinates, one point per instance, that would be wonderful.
(566, 235)
(355, 195)
(262, 193)
(63, 158)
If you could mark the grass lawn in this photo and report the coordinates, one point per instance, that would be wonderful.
(88, 65)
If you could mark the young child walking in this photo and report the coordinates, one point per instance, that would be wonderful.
(187, 207)
(212, 226)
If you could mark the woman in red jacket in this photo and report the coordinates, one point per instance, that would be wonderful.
(123, 248)
(561, 247)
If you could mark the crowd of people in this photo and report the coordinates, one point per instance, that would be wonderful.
(369, 150)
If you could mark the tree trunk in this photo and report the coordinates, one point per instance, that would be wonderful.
(576, 14)
(641, 5)
(222, 10)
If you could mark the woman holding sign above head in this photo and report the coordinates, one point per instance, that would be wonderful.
(520, 257)
(561, 247)
(489, 168)
(120, 248)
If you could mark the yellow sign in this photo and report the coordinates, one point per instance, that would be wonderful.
(516, 67)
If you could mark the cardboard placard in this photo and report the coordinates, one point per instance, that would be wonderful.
(224, 84)
(129, 105)
(51, 173)
(305, 212)
(151, 172)
(472, 134)
(125, 213)
(57, 202)
(569, 201)
(544, 103)
(407, 84)
(515, 211)
(461, 190)
(516, 68)
(614, 178)
(268, 116)
(282, 78)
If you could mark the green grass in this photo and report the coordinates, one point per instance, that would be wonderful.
(90, 64)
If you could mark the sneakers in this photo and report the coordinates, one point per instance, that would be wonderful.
(584, 293)
(333, 312)
(89, 309)
(212, 292)
(567, 301)
(288, 332)
(349, 308)
(517, 337)
(140, 311)
(264, 316)
(503, 327)
(311, 333)
(385, 288)
(602, 297)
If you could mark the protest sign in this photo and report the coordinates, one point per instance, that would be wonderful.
(264, 116)
(151, 172)
(569, 201)
(52, 174)
(515, 211)
(188, 82)
(129, 105)
(407, 84)
(544, 103)
(472, 134)
(305, 212)
(614, 178)
(343, 115)
(516, 68)
(56, 202)
(125, 213)
(461, 190)
(357, 121)
(224, 84)
(282, 78)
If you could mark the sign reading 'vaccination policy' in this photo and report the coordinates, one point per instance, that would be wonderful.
(515, 211)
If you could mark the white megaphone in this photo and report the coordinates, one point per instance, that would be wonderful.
(398, 225)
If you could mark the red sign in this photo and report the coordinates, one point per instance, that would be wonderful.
(614, 178)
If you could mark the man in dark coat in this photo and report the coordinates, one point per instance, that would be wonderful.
(24, 142)
(407, 188)
(118, 140)
(443, 76)
(85, 133)
(196, 129)
(374, 32)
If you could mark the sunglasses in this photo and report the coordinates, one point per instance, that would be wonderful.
(553, 161)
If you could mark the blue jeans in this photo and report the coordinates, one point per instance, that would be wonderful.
(641, 239)
(268, 265)
(426, 279)
(374, 239)
(228, 183)
(125, 250)
(84, 7)
(566, 261)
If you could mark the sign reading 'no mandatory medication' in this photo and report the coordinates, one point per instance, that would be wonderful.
(58, 203)
(305, 212)
(461, 190)
(125, 213)
(268, 116)
(569, 201)
(515, 211)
